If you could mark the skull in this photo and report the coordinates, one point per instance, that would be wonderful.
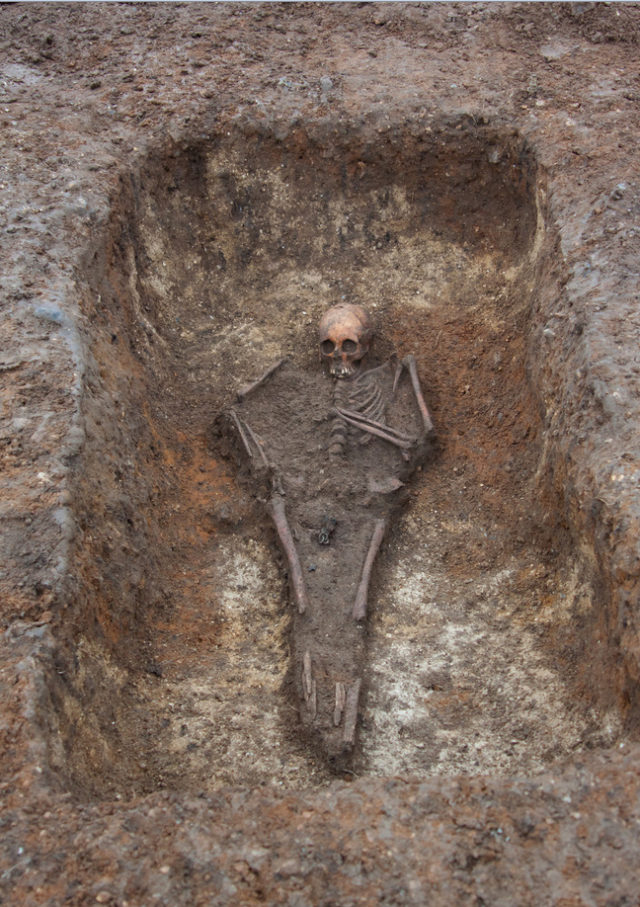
(345, 333)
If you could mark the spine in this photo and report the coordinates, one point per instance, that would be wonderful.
(339, 428)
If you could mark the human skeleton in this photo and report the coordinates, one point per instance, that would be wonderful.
(359, 490)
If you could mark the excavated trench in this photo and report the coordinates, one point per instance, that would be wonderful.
(219, 258)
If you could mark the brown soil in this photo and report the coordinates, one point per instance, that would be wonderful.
(186, 189)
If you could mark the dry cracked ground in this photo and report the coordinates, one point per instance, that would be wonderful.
(185, 189)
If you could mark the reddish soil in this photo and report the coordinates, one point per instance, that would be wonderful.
(185, 190)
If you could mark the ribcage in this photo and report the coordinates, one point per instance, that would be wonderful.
(362, 394)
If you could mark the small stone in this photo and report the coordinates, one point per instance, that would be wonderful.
(103, 897)
(286, 868)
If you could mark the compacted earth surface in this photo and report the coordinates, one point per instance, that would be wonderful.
(186, 188)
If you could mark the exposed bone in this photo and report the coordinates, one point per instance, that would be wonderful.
(364, 398)
(259, 444)
(351, 712)
(336, 448)
(244, 438)
(361, 417)
(410, 363)
(364, 377)
(359, 389)
(375, 413)
(341, 698)
(384, 486)
(341, 393)
(344, 334)
(286, 539)
(360, 605)
(376, 428)
(366, 426)
(338, 435)
(307, 677)
(309, 685)
(313, 700)
(376, 410)
(365, 381)
(396, 377)
(245, 431)
(248, 388)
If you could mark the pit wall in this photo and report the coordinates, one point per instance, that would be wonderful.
(589, 452)
(138, 388)
(113, 589)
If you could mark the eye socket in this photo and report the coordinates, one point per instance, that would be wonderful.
(327, 347)
(349, 346)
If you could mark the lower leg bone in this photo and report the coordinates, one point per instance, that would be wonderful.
(308, 684)
(286, 539)
(351, 712)
(307, 677)
(341, 698)
(360, 606)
